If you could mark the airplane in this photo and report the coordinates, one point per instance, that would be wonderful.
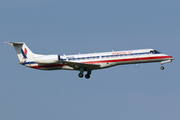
(87, 62)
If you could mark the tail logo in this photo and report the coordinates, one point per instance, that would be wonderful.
(24, 53)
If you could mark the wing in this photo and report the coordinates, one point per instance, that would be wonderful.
(77, 65)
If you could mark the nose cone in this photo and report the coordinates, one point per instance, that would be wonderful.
(172, 58)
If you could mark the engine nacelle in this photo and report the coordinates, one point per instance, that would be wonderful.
(47, 59)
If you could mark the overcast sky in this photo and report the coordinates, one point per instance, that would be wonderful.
(138, 92)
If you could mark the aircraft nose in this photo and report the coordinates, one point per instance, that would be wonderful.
(172, 58)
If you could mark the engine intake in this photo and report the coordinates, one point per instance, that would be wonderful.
(47, 59)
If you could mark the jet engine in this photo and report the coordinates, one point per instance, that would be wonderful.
(47, 59)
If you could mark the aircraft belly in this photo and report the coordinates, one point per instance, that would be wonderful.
(67, 68)
(45, 66)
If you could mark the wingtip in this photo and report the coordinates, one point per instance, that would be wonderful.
(10, 43)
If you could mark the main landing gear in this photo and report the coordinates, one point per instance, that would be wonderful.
(87, 76)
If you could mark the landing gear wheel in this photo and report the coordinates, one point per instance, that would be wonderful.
(87, 76)
(162, 68)
(80, 75)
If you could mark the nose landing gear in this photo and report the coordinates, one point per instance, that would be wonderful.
(166, 61)
(162, 68)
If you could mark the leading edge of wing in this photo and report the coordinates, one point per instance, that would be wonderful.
(77, 65)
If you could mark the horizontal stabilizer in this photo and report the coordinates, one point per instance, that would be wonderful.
(15, 43)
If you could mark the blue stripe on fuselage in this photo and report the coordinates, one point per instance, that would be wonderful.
(28, 63)
(132, 54)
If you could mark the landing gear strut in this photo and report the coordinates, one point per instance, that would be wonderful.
(81, 72)
(87, 76)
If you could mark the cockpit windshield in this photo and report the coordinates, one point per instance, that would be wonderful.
(154, 52)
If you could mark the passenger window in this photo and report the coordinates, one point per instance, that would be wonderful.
(135, 53)
(71, 59)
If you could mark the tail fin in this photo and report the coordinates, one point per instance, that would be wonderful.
(23, 52)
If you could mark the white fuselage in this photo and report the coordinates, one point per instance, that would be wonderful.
(105, 59)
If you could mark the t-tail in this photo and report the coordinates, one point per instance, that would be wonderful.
(23, 52)
(25, 55)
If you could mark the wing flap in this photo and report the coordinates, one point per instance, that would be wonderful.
(77, 65)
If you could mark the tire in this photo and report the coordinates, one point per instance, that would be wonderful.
(162, 68)
(80, 75)
(87, 76)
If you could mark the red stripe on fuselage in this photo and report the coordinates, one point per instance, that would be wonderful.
(130, 59)
(47, 66)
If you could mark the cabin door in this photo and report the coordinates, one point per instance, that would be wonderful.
(136, 57)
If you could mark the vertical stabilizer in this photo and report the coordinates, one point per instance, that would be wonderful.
(23, 52)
